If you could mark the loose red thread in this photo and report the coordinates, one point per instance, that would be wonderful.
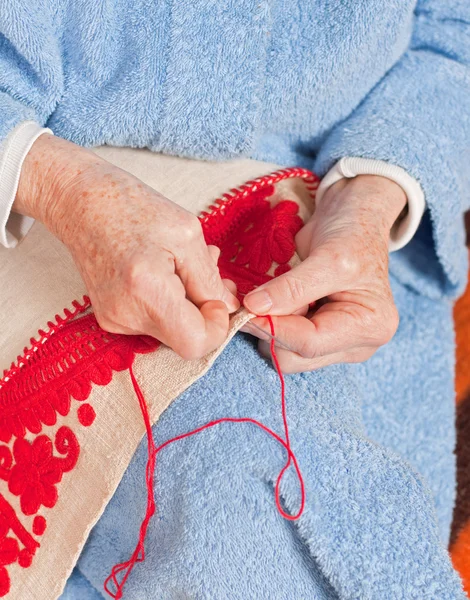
(139, 553)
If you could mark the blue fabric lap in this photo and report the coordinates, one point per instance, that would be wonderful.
(79, 588)
(237, 544)
(374, 443)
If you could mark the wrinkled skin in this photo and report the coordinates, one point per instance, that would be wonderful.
(344, 251)
(148, 270)
(143, 259)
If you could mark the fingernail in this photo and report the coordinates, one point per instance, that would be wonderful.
(230, 300)
(258, 302)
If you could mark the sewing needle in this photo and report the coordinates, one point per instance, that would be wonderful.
(270, 336)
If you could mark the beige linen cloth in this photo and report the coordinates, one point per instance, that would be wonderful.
(38, 280)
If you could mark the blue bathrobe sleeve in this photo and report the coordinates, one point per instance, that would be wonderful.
(418, 117)
(31, 76)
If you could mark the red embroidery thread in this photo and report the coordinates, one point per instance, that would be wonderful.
(139, 552)
(61, 365)
(25, 558)
(249, 231)
(9, 521)
(37, 471)
(64, 366)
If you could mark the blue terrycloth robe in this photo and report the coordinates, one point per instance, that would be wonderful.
(293, 82)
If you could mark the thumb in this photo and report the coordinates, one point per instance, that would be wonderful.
(319, 275)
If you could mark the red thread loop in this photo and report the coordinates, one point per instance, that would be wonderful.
(139, 553)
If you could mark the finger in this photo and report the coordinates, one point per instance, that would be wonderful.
(168, 315)
(214, 252)
(200, 275)
(154, 303)
(320, 275)
(112, 327)
(290, 362)
(335, 327)
(108, 325)
(231, 286)
(263, 324)
(190, 331)
(302, 311)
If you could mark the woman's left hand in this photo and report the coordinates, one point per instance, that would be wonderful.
(344, 248)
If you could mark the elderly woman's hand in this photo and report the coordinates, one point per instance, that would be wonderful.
(344, 248)
(143, 259)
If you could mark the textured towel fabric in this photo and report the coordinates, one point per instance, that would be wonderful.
(303, 82)
(374, 442)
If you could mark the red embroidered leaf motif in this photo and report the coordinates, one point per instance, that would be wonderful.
(45, 412)
(30, 420)
(63, 367)
(100, 373)
(272, 239)
(264, 236)
(79, 387)
(60, 401)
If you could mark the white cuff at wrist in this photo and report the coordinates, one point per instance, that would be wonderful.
(405, 228)
(15, 147)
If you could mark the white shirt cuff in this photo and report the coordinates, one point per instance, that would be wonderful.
(350, 166)
(13, 151)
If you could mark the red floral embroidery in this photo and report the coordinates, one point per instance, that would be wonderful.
(252, 235)
(37, 471)
(64, 366)
(266, 236)
(34, 475)
(9, 551)
(74, 354)
(274, 241)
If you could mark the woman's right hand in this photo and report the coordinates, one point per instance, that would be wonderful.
(143, 258)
